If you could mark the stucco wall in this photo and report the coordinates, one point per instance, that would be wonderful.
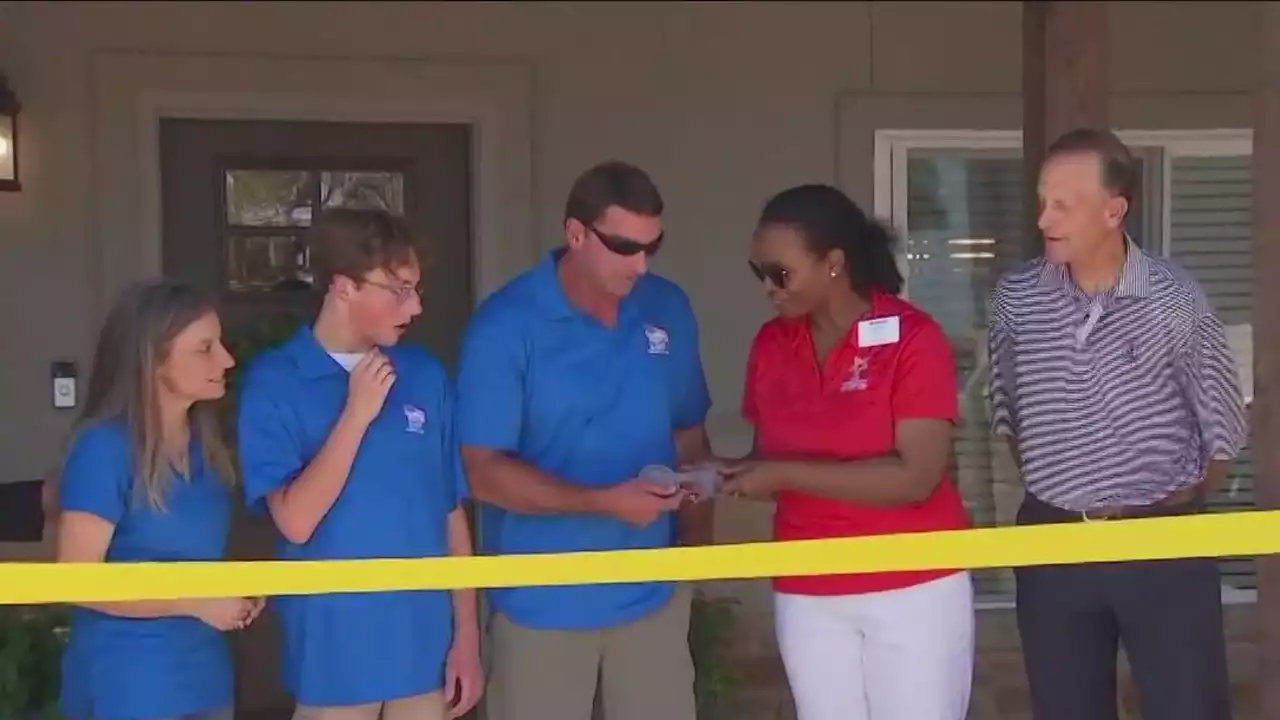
(723, 103)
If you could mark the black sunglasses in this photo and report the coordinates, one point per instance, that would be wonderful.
(773, 272)
(619, 245)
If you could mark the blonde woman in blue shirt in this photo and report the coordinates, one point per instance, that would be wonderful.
(147, 479)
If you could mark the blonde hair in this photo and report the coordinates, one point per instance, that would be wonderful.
(134, 341)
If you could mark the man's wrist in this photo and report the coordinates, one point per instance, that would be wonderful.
(187, 607)
(466, 632)
(591, 500)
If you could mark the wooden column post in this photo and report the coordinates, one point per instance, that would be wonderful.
(1266, 344)
(1065, 83)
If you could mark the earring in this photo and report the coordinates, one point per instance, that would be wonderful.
(834, 272)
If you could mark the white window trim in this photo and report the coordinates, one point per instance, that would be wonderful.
(892, 147)
(890, 181)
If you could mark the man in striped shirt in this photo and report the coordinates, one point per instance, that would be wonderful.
(1114, 384)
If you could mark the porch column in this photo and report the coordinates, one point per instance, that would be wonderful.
(1065, 83)
(1266, 339)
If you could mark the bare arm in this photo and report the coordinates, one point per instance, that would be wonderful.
(466, 624)
(518, 487)
(692, 445)
(1215, 476)
(907, 476)
(84, 538)
(513, 485)
(298, 507)
(695, 521)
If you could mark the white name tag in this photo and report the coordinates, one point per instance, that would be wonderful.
(881, 331)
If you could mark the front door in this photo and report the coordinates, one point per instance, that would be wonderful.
(237, 199)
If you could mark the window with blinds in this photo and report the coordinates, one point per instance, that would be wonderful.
(1211, 234)
(960, 212)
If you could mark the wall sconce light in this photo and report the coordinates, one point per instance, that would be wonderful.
(9, 109)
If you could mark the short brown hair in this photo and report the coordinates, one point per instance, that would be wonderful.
(608, 184)
(351, 242)
(1119, 171)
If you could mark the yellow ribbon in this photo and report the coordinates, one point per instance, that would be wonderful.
(1205, 535)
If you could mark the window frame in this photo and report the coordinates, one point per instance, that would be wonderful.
(315, 166)
(891, 149)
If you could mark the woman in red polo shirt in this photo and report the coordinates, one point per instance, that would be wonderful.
(852, 393)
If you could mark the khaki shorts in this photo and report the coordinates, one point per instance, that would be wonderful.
(644, 669)
(418, 707)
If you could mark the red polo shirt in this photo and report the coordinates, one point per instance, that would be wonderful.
(848, 410)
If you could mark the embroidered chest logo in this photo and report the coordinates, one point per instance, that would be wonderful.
(659, 341)
(415, 419)
(857, 379)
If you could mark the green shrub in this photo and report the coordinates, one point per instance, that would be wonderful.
(31, 643)
(715, 678)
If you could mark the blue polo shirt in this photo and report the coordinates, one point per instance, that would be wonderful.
(590, 405)
(118, 668)
(355, 648)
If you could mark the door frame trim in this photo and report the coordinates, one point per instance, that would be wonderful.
(134, 92)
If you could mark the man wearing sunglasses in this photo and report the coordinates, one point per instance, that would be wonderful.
(573, 378)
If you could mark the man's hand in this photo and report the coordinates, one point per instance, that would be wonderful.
(706, 484)
(463, 676)
(638, 502)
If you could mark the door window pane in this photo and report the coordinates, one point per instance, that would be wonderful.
(382, 190)
(268, 198)
(272, 263)
(267, 212)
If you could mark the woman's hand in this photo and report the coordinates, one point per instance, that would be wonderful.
(753, 479)
(259, 604)
(226, 613)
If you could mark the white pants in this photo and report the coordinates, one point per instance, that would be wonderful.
(895, 655)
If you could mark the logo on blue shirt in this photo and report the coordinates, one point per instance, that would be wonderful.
(659, 341)
(415, 419)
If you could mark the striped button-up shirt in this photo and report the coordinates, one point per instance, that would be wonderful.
(1120, 398)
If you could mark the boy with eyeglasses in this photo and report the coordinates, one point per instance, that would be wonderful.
(346, 438)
